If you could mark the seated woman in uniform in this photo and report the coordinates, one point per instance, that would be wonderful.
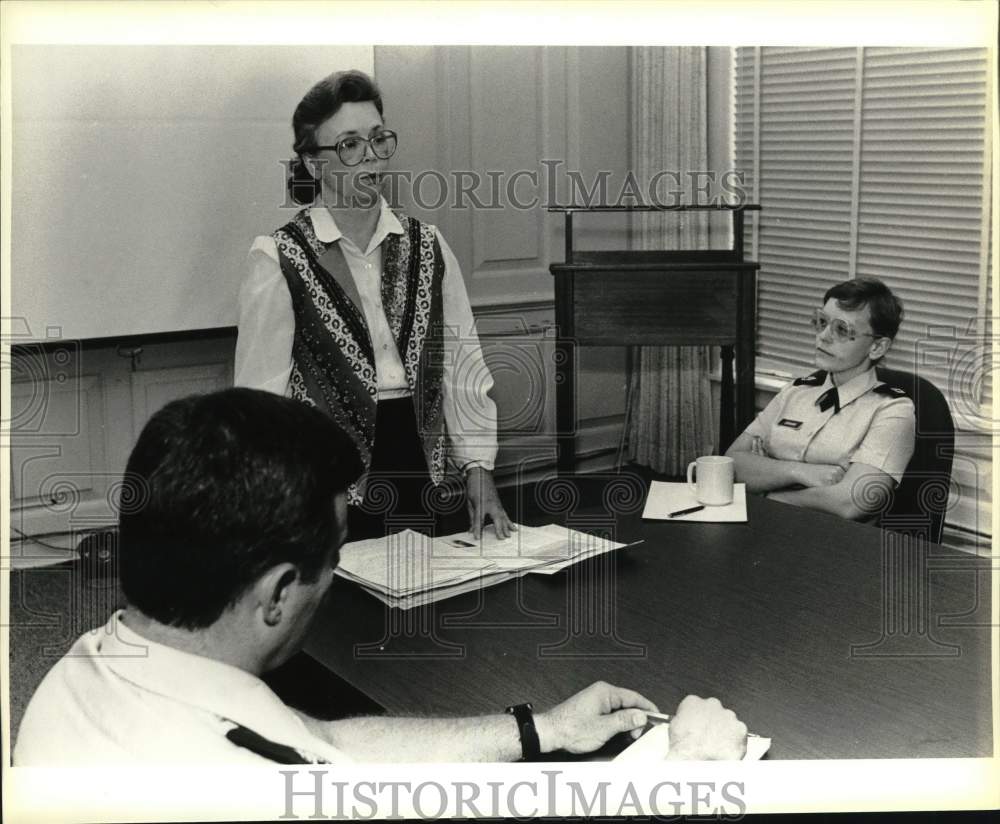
(837, 440)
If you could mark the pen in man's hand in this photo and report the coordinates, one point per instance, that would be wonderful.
(662, 718)
(685, 511)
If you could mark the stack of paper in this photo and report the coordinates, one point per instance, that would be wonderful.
(408, 569)
(655, 745)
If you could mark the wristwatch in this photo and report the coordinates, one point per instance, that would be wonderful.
(530, 748)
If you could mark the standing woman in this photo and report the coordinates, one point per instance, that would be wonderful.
(362, 312)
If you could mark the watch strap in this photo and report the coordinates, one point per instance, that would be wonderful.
(524, 716)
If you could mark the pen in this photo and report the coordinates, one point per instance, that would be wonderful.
(663, 718)
(685, 511)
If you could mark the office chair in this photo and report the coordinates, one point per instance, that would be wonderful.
(919, 503)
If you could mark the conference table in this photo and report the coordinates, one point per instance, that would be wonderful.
(834, 639)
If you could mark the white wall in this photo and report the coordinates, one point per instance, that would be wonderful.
(142, 173)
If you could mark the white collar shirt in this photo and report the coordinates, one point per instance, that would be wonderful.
(267, 333)
(871, 427)
(117, 698)
(366, 270)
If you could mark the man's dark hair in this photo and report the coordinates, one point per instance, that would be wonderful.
(884, 308)
(321, 103)
(220, 488)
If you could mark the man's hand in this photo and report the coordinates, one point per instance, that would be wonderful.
(482, 500)
(584, 722)
(818, 474)
(703, 730)
(757, 447)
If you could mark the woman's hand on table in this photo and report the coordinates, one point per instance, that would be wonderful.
(483, 500)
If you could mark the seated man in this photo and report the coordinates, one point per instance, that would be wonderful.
(837, 440)
(233, 513)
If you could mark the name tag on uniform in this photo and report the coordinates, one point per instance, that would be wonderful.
(790, 423)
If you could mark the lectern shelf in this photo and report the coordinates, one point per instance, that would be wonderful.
(691, 297)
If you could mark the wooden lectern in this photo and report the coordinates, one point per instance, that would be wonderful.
(692, 297)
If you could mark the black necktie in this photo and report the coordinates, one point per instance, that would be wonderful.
(828, 399)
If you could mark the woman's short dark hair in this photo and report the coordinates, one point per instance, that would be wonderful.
(884, 308)
(222, 487)
(320, 104)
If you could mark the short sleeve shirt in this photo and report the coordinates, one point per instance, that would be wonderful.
(875, 424)
(119, 698)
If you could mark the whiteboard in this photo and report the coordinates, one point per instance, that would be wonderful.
(141, 174)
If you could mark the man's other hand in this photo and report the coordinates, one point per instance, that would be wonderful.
(703, 730)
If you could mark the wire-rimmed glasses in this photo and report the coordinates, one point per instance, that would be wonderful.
(842, 330)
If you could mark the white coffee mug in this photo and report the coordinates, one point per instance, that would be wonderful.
(714, 483)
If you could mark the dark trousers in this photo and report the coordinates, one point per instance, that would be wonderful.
(400, 493)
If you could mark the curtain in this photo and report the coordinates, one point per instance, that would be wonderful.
(670, 418)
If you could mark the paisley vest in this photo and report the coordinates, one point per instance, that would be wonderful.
(333, 360)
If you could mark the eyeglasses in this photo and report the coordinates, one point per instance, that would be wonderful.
(351, 150)
(842, 330)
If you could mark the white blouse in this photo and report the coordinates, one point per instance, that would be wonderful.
(267, 332)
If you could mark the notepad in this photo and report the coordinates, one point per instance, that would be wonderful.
(665, 498)
(655, 745)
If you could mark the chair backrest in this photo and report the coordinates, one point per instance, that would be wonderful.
(919, 502)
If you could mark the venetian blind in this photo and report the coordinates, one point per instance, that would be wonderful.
(875, 161)
(870, 161)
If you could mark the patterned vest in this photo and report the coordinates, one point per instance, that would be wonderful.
(333, 361)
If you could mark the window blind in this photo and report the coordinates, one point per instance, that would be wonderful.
(921, 205)
(873, 162)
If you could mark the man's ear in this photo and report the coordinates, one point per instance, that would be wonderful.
(273, 589)
(879, 347)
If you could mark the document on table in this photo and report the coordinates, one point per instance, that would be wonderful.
(665, 498)
(405, 562)
(408, 568)
(655, 744)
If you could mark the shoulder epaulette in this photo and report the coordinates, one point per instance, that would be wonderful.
(815, 379)
(265, 748)
(890, 391)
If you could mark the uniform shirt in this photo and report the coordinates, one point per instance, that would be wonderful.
(117, 698)
(874, 426)
(267, 332)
